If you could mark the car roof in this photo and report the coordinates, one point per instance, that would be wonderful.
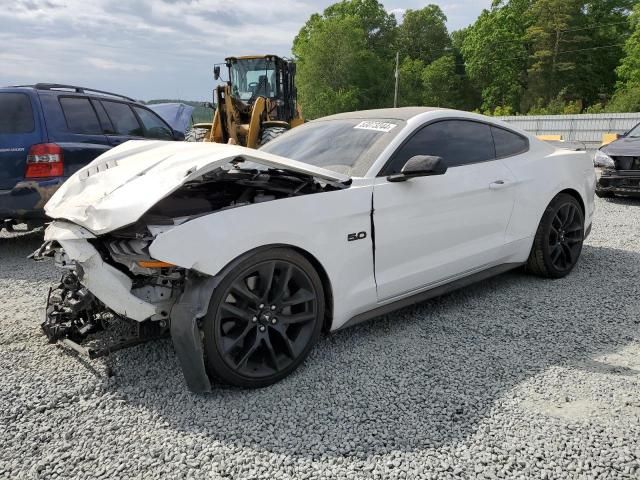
(56, 88)
(402, 113)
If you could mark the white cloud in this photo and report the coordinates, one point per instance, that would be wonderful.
(399, 13)
(104, 64)
(156, 48)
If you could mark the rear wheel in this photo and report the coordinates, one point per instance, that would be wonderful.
(558, 241)
(271, 133)
(263, 319)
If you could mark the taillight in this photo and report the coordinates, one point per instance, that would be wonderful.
(44, 160)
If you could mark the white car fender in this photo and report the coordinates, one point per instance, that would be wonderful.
(564, 170)
(319, 224)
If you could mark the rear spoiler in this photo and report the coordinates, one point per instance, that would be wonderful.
(557, 141)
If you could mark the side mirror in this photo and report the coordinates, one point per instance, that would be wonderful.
(216, 72)
(420, 166)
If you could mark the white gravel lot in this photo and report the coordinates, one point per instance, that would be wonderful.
(516, 378)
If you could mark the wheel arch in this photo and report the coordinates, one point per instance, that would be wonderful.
(317, 265)
(575, 194)
(326, 286)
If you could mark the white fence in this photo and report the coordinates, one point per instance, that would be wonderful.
(587, 129)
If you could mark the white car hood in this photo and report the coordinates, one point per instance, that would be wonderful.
(118, 187)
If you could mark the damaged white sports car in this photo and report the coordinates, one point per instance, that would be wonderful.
(245, 256)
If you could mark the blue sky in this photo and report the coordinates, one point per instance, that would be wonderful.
(157, 48)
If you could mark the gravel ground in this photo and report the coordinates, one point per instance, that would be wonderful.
(515, 378)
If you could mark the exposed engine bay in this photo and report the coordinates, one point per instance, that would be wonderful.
(223, 190)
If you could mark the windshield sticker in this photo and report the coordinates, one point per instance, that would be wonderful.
(377, 126)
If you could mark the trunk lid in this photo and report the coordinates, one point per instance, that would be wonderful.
(118, 187)
(18, 132)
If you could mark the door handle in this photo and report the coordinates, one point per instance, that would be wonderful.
(498, 184)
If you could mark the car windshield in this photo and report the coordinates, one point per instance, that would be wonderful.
(251, 78)
(635, 132)
(347, 146)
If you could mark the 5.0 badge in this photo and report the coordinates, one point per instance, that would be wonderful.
(352, 237)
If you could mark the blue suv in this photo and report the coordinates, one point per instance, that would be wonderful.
(49, 131)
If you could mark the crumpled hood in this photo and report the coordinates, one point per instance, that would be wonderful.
(118, 187)
(624, 147)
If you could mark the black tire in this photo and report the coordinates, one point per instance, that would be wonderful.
(558, 241)
(264, 318)
(271, 133)
(196, 135)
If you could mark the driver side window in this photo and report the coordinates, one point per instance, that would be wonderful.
(458, 142)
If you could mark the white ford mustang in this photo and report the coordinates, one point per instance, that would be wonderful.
(245, 256)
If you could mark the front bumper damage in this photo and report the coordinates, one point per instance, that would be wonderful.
(72, 314)
(94, 295)
(622, 182)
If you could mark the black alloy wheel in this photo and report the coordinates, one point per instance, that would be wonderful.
(565, 237)
(558, 242)
(263, 319)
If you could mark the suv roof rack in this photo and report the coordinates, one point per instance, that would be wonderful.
(56, 86)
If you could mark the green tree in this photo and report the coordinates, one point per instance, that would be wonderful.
(441, 84)
(410, 89)
(470, 97)
(423, 34)
(337, 71)
(627, 96)
(379, 26)
(606, 28)
(495, 54)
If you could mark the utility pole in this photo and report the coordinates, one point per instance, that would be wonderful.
(395, 97)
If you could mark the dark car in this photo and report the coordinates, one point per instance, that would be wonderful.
(49, 131)
(620, 163)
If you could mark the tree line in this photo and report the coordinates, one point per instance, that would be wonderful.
(519, 57)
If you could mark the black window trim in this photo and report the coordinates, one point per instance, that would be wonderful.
(66, 120)
(384, 170)
(106, 129)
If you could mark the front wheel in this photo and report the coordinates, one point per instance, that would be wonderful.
(271, 133)
(263, 319)
(558, 242)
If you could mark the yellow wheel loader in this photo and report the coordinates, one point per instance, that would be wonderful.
(257, 102)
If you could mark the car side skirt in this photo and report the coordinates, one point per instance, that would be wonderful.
(431, 293)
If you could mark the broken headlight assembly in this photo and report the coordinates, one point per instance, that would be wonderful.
(602, 160)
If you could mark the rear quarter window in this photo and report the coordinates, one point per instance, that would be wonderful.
(508, 144)
(16, 113)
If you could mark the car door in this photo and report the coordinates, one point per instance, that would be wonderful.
(77, 130)
(432, 230)
(125, 124)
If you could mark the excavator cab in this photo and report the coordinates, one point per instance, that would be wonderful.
(257, 102)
